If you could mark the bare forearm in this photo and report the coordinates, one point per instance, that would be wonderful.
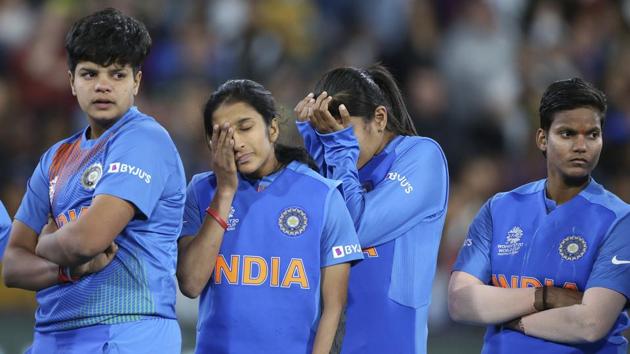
(587, 322)
(326, 330)
(486, 305)
(198, 257)
(63, 247)
(22, 269)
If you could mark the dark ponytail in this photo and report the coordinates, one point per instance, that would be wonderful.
(259, 98)
(361, 91)
(287, 154)
(401, 122)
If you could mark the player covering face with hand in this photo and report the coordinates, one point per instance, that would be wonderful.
(395, 185)
(266, 240)
(547, 265)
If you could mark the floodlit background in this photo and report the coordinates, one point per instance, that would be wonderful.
(472, 72)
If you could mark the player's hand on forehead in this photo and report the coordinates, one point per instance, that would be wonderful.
(304, 109)
(322, 120)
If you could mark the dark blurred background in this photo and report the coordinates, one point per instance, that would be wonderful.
(472, 72)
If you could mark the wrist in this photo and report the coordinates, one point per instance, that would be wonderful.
(65, 275)
(540, 299)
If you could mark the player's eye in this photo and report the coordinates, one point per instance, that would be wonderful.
(566, 133)
(595, 134)
(87, 74)
(119, 75)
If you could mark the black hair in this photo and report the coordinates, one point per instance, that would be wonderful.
(259, 98)
(108, 37)
(361, 91)
(569, 94)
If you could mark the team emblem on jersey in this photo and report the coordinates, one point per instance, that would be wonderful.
(293, 221)
(51, 188)
(91, 176)
(512, 243)
(232, 221)
(572, 248)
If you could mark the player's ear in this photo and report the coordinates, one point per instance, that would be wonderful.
(274, 130)
(136, 82)
(71, 78)
(541, 140)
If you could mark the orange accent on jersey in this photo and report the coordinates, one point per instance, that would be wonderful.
(530, 282)
(72, 214)
(61, 156)
(230, 272)
(502, 281)
(570, 285)
(370, 252)
(248, 271)
(295, 274)
(549, 282)
(62, 220)
(275, 272)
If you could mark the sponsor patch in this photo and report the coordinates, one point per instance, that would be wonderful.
(119, 167)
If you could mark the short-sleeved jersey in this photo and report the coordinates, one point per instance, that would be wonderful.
(264, 295)
(398, 204)
(134, 160)
(521, 239)
(5, 229)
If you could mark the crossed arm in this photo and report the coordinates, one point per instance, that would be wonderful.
(568, 321)
(32, 262)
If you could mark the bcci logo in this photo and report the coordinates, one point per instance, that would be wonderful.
(293, 221)
(572, 248)
(91, 176)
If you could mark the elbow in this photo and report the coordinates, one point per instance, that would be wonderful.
(9, 275)
(592, 331)
(188, 287)
(455, 306)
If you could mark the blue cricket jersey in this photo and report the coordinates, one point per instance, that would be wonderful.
(264, 294)
(522, 239)
(5, 229)
(398, 204)
(134, 160)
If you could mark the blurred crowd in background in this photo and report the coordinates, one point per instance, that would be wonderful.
(472, 72)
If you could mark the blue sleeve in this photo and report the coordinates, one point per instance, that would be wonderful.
(192, 215)
(137, 166)
(5, 229)
(339, 240)
(312, 143)
(474, 256)
(35, 207)
(415, 190)
(611, 269)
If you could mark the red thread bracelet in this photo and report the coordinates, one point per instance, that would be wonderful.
(217, 217)
(64, 276)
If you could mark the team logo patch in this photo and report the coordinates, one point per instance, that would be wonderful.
(91, 176)
(512, 243)
(572, 248)
(293, 221)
